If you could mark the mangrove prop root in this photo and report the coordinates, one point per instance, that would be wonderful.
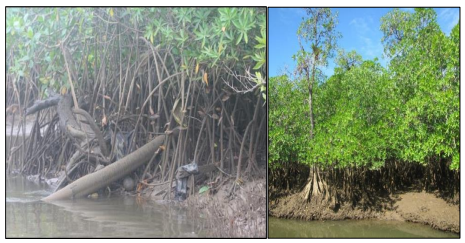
(43, 104)
(66, 115)
(104, 177)
(75, 133)
(95, 129)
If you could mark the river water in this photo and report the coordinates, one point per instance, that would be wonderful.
(287, 228)
(119, 217)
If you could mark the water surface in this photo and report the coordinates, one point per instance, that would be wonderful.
(287, 228)
(132, 217)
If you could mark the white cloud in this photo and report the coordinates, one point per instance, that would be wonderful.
(450, 17)
(371, 49)
(454, 21)
(284, 16)
(364, 28)
(361, 25)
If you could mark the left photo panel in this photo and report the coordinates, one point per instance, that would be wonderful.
(136, 122)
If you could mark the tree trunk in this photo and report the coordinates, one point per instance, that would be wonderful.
(310, 96)
(316, 186)
(104, 177)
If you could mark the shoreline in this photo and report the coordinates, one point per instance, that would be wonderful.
(241, 214)
(416, 207)
(237, 213)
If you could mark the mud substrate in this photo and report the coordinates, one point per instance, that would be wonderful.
(241, 213)
(418, 207)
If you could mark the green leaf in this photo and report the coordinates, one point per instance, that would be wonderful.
(203, 189)
(239, 39)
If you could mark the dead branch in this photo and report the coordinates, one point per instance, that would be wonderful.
(247, 83)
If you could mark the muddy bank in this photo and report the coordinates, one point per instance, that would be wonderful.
(418, 207)
(426, 208)
(295, 207)
(241, 213)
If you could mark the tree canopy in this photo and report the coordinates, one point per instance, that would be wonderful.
(367, 114)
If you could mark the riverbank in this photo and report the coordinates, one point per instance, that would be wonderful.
(232, 209)
(426, 208)
(418, 207)
(240, 214)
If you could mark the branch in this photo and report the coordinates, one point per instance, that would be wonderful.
(42, 104)
(247, 83)
(94, 127)
(71, 73)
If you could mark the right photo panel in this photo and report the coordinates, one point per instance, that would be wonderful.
(364, 123)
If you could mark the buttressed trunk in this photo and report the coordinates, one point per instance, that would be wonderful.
(104, 177)
(316, 186)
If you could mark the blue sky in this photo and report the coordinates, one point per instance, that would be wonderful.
(359, 28)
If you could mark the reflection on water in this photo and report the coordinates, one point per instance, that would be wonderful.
(26, 216)
(286, 228)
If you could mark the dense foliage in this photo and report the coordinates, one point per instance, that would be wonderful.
(367, 115)
(288, 121)
(425, 71)
(201, 38)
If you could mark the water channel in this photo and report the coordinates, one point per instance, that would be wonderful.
(117, 216)
(287, 228)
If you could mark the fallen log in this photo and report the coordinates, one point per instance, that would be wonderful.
(93, 182)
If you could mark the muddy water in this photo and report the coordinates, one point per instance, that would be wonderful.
(286, 228)
(26, 216)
